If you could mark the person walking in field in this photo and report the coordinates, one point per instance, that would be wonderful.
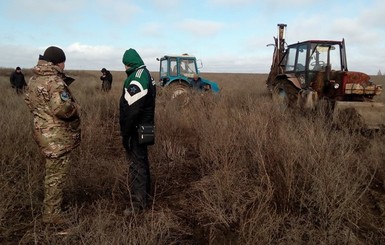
(106, 78)
(137, 109)
(56, 126)
(18, 81)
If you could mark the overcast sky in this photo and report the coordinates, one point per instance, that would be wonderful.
(227, 35)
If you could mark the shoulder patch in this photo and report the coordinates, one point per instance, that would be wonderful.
(133, 89)
(134, 92)
(139, 73)
(64, 96)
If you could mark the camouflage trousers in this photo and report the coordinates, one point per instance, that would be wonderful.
(56, 170)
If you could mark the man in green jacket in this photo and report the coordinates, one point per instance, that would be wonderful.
(137, 109)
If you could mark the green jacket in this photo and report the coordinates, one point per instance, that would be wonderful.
(137, 103)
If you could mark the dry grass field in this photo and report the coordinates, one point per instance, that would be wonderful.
(226, 169)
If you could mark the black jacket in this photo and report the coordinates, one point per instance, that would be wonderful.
(17, 80)
(107, 77)
(137, 103)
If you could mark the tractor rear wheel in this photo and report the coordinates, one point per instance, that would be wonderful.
(285, 94)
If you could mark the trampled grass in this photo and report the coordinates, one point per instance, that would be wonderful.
(226, 169)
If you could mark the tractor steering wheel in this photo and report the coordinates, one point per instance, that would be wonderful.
(318, 66)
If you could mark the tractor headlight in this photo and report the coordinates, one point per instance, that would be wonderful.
(336, 86)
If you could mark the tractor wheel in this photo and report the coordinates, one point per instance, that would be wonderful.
(180, 92)
(285, 94)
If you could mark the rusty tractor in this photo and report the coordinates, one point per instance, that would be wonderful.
(306, 73)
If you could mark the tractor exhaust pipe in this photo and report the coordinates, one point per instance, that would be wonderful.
(281, 36)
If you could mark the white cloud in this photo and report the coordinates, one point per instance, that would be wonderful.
(15, 55)
(42, 9)
(119, 11)
(229, 62)
(232, 38)
(199, 28)
(373, 14)
(82, 56)
(230, 2)
(167, 3)
(273, 4)
(91, 51)
(292, 3)
(46, 6)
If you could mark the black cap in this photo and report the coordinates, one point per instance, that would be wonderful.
(54, 54)
(104, 70)
(18, 68)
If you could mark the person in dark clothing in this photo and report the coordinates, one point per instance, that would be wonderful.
(197, 82)
(137, 107)
(18, 81)
(106, 78)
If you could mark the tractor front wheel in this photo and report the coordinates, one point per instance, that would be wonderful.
(285, 94)
(180, 91)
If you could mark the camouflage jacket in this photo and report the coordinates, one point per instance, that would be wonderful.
(55, 111)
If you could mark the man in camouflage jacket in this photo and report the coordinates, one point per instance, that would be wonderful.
(56, 125)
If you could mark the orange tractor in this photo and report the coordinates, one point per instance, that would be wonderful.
(306, 73)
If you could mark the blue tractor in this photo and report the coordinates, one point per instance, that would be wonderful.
(181, 74)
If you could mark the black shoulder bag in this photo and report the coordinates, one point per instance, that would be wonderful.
(146, 134)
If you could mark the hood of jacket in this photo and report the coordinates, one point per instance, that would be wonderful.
(45, 68)
(132, 59)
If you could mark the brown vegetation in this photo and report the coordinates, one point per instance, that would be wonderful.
(226, 169)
